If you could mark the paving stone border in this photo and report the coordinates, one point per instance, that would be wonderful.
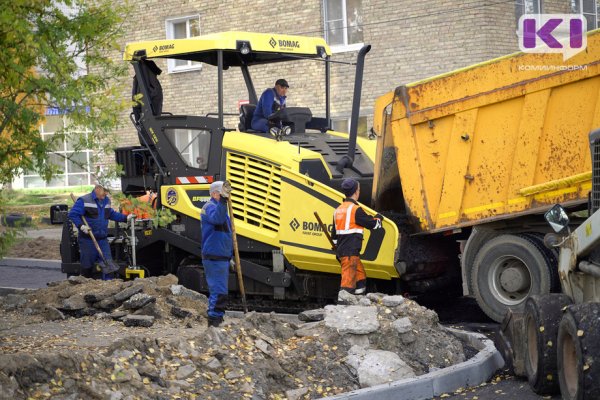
(471, 372)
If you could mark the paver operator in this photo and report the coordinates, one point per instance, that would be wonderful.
(97, 210)
(271, 101)
(217, 249)
(349, 221)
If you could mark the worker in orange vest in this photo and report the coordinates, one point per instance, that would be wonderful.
(350, 220)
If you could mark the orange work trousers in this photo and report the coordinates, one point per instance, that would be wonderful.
(353, 273)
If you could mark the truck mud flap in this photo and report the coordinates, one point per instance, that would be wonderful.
(510, 341)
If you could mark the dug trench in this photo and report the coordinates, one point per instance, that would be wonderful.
(148, 338)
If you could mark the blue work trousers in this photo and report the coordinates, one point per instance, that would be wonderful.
(217, 277)
(89, 256)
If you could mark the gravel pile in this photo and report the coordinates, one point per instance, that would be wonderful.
(148, 339)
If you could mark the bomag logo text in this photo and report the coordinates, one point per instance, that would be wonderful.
(166, 47)
(309, 227)
(289, 43)
(314, 229)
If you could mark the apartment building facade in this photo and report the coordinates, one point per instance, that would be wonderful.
(410, 40)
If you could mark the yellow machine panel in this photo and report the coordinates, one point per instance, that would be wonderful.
(185, 199)
(506, 137)
(275, 204)
(195, 46)
(304, 243)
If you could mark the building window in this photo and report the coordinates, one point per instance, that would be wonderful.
(587, 8)
(74, 165)
(343, 24)
(182, 28)
(527, 7)
(343, 125)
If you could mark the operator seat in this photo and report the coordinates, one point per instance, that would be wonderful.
(246, 113)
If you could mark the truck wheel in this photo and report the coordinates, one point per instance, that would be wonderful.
(507, 270)
(477, 239)
(191, 277)
(551, 256)
(542, 316)
(578, 349)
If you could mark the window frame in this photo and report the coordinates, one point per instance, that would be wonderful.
(62, 153)
(339, 48)
(170, 23)
(523, 5)
(584, 14)
(188, 156)
(347, 120)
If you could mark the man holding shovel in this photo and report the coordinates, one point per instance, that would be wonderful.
(95, 209)
(217, 249)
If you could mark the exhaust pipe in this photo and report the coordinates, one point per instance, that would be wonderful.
(347, 160)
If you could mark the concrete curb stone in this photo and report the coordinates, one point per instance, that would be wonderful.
(30, 263)
(471, 372)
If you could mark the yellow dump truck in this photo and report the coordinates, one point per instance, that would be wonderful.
(470, 160)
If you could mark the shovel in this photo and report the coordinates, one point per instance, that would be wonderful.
(325, 231)
(108, 266)
(236, 253)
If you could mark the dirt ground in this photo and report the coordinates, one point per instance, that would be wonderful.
(71, 340)
(39, 248)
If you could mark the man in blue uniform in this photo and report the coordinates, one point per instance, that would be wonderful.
(217, 249)
(271, 101)
(96, 209)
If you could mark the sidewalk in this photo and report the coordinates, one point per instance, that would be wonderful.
(30, 263)
(47, 233)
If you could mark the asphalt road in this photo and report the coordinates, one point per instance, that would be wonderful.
(501, 386)
(28, 277)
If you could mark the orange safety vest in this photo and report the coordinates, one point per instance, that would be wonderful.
(345, 223)
(149, 198)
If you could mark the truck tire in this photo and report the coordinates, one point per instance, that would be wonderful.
(191, 277)
(578, 349)
(507, 270)
(542, 316)
(551, 256)
(477, 239)
(14, 220)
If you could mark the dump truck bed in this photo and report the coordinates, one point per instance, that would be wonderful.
(495, 140)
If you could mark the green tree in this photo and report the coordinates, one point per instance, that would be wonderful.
(59, 54)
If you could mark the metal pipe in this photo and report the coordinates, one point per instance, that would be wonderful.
(133, 240)
(249, 85)
(348, 159)
(328, 92)
(590, 268)
(220, 86)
